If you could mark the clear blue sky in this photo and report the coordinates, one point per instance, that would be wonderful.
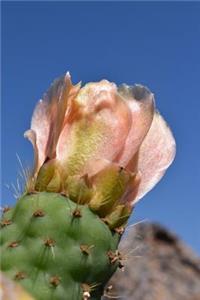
(156, 44)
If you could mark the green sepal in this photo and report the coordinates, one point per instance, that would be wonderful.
(119, 216)
(54, 186)
(45, 175)
(77, 189)
(109, 186)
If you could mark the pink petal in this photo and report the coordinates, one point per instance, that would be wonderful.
(31, 136)
(40, 126)
(59, 98)
(141, 104)
(155, 155)
(49, 117)
(101, 109)
(95, 166)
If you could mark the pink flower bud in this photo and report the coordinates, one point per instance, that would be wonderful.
(110, 135)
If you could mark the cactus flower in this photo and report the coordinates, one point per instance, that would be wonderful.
(100, 144)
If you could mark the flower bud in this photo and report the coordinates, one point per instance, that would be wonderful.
(101, 145)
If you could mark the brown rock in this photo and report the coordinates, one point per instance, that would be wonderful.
(158, 266)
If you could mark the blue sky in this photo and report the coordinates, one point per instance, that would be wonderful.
(153, 43)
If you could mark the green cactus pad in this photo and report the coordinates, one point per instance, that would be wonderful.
(57, 249)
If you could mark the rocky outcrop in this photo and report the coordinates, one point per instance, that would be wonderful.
(157, 266)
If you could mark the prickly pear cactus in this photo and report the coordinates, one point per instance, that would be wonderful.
(98, 150)
(55, 248)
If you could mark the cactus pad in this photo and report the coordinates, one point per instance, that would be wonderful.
(56, 248)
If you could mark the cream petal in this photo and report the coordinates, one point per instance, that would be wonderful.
(96, 95)
(99, 133)
(155, 155)
(141, 104)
